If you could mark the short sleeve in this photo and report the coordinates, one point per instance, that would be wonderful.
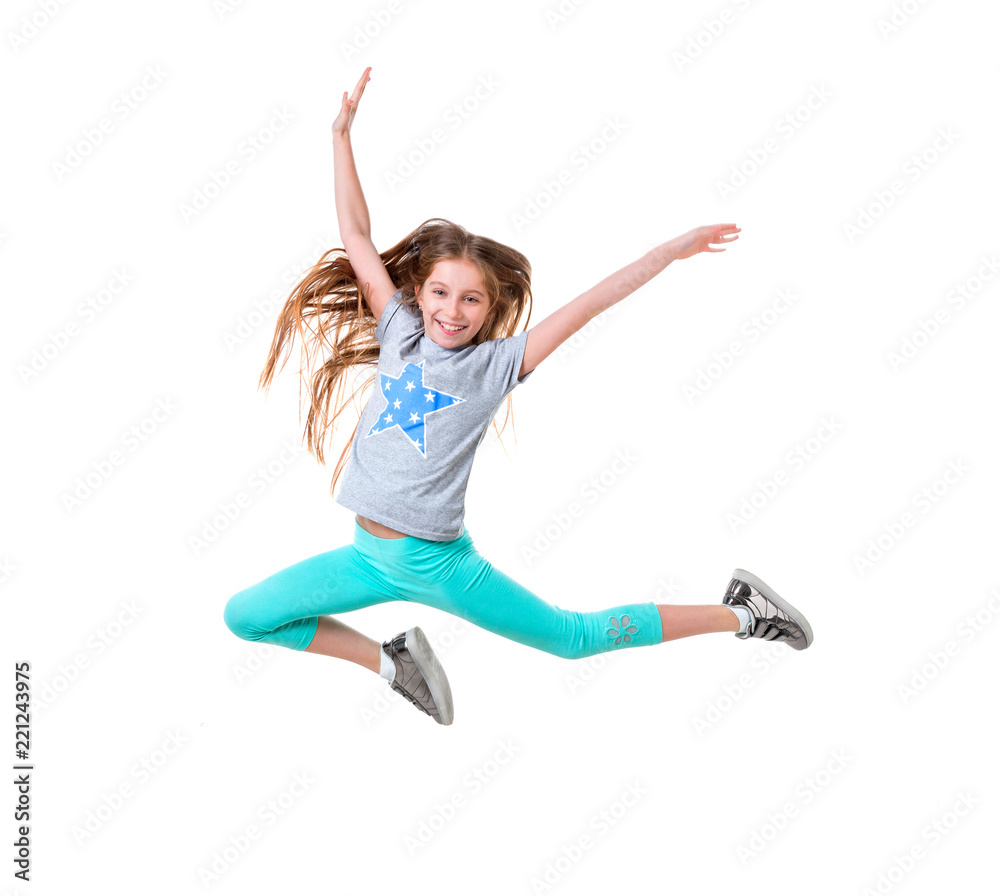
(506, 362)
(392, 307)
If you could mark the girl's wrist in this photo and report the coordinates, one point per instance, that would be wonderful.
(667, 252)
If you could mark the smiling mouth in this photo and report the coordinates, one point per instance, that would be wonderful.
(451, 331)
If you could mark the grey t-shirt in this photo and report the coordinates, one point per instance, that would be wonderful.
(429, 410)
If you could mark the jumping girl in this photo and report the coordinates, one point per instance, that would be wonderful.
(438, 314)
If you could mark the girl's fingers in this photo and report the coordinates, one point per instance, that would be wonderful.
(360, 88)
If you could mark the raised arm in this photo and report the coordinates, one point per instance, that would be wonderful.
(352, 210)
(547, 335)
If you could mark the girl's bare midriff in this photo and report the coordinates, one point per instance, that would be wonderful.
(377, 529)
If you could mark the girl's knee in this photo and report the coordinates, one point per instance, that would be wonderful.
(238, 618)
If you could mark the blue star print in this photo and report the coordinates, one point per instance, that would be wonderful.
(408, 402)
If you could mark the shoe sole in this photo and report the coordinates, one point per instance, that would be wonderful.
(778, 601)
(429, 666)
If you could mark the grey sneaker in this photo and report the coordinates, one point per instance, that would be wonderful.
(774, 618)
(419, 676)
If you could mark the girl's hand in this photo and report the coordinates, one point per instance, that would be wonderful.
(701, 238)
(342, 124)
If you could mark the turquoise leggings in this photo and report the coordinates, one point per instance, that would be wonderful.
(284, 608)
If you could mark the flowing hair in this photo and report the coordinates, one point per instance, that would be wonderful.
(336, 325)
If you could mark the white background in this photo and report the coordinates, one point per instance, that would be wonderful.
(729, 748)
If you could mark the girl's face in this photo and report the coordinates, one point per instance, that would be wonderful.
(454, 302)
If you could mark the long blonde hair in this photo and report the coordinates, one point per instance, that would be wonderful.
(336, 326)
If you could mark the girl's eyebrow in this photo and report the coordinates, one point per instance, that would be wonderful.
(439, 283)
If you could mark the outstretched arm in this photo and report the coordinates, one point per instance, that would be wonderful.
(352, 210)
(545, 337)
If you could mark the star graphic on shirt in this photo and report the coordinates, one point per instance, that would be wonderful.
(408, 402)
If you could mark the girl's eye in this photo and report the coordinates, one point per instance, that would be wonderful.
(474, 299)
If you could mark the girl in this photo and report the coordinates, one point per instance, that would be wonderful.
(438, 315)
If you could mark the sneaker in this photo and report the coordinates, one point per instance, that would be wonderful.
(774, 618)
(419, 676)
